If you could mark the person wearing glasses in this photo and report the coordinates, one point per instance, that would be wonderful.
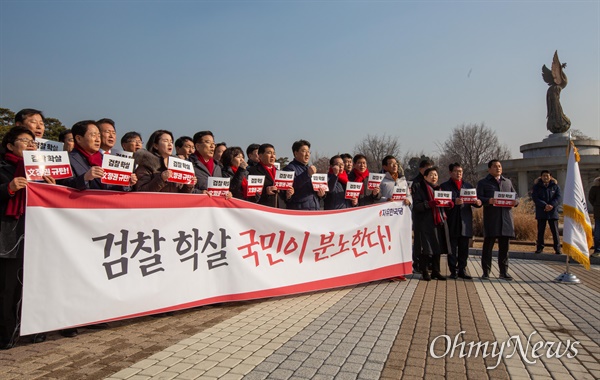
(152, 163)
(12, 227)
(66, 137)
(108, 134)
(132, 142)
(31, 119)
(203, 161)
(86, 160)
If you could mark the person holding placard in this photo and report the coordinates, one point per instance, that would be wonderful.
(360, 173)
(305, 197)
(460, 221)
(497, 219)
(152, 166)
(12, 228)
(394, 180)
(234, 167)
(429, 221)
(336, 181)
(202, 159)
(86, 160)
(266, 167)
(416, 183)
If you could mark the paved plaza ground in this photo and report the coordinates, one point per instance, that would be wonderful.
(379, 330)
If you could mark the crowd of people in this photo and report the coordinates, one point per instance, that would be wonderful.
(439, 227)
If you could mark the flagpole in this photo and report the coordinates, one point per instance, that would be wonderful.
(566, 277)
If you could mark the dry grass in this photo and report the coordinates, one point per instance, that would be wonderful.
(524, 221)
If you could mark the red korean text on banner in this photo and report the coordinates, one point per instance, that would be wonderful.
(181, 171)
(217, 186)
(374, 180)
(399, 193)
(353, 190)
(47, 163)
(443, 198)
(255, 185)
(468, 196)
(319, 181)
(505, 199)
(117, 170)
(284, 180)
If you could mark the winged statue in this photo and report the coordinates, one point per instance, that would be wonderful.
(557, 121)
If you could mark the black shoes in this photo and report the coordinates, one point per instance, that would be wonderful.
(453, 276)
(425, 276)
(485, 276)
(438, 276)
(506, 277)
(465, 276)
(38, 338)
(539, 250)
(69, 333)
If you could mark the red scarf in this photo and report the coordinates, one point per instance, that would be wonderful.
(458, 184)
(244, 181)
(94, 159)
(438, 213)
(210, 164)
(360, 177)
(342, 176)
(272, 170)
(16, 204)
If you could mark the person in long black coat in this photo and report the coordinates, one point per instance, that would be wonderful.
(416, 183)
(497, 221)
(460, 223)
(429, 222)
(547, 197)
(234, 167)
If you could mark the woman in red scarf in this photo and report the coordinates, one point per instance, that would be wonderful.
(336, 181)
(12, 228)
(360, 173)
(234, 167)
(429, 220)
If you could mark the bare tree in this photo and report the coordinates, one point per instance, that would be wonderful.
(411, 161)
(471, 145)
(375, 148)
(320, 162)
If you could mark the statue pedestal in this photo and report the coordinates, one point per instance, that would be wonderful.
(551, 154)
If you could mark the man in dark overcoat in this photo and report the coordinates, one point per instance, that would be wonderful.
(497, 221)
(547, 197)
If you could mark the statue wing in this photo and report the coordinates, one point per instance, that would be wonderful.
(547, 76)
(557, 72)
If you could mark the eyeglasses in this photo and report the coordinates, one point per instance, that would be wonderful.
(137, 142)
(27, 141)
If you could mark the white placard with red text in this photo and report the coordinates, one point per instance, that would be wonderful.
(49, 145)
(468, 195)
(182, 170)
(319, 181)
(255, 185)
(399, 193)
(117, 170)
(374, 180)
(353, 189)
(163, 252)
(284, 180)
(54, 164)
(505, 199)
(442, 198)
(218, 186)
(121, 153)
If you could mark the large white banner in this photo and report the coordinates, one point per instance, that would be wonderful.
(93, 256)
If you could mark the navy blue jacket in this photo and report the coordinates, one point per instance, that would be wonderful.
(460, 217)
(543, 195)
(336, 196)
(304, 198)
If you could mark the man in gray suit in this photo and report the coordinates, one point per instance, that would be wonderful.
(497, 221)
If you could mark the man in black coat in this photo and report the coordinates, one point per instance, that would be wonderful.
(497, 221)
(460, 223)
(547, 197)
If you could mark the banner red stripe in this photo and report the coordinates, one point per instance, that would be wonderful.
(52, 196)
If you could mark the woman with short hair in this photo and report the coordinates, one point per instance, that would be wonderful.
(234, 167)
